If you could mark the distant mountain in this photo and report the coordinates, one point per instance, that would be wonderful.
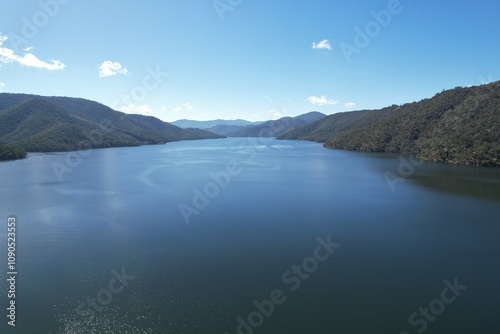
(48, 124)
(224, 130)
(277, 127)
(180, 134)
(185, 123)
(336, 125)
(201, 133)
(460, 126)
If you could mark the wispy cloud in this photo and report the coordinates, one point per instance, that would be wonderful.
(276, 114)
(321, 101)
(350, 105)
(109, 68)
(324, 44)
(2, 86)
(184, 107)
(142, 109)
(28, 59)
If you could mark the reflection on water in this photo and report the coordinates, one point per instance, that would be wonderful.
(481, 182)
(477, 182)
(120, 209)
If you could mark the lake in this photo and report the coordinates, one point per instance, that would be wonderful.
(248, 236)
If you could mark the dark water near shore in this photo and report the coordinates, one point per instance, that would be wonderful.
(110, 228)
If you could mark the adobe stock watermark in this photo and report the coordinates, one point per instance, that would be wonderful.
(292, 279)
(212, 189)
(425, 315)
(223, 6)
(139, 93)
(72, 160)
(95, 138)
(104, 296)
(473, 103)
(221, 179)
(406, 168)
(372, 29)
(32, 25)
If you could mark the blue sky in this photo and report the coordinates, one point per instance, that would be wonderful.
(256, 60)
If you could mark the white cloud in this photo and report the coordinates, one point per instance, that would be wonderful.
(276, 114)
(2, 85)
(350, 105)
(324, 44)
(321, 101)
(142, 109)
(109, 68)
(28, 59)
(184, 107)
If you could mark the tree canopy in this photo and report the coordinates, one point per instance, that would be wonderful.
(460, 126)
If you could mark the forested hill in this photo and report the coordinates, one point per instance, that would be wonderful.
(49, 124)
(460, 126)
(8, 152)
(277, 127)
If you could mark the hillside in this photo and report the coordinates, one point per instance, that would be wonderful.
(8, 152)
(224, 130)
(49, 124)
(336, 124)
(460, 126)
(154, 124)
(206, 125)
(278, 127)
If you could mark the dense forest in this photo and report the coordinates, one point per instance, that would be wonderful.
(460, 126)
(277, 127)
(9, 152)
(54, 124)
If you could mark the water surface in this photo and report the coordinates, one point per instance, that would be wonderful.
(119, 210)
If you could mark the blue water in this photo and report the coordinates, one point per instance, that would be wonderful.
(260, 205)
